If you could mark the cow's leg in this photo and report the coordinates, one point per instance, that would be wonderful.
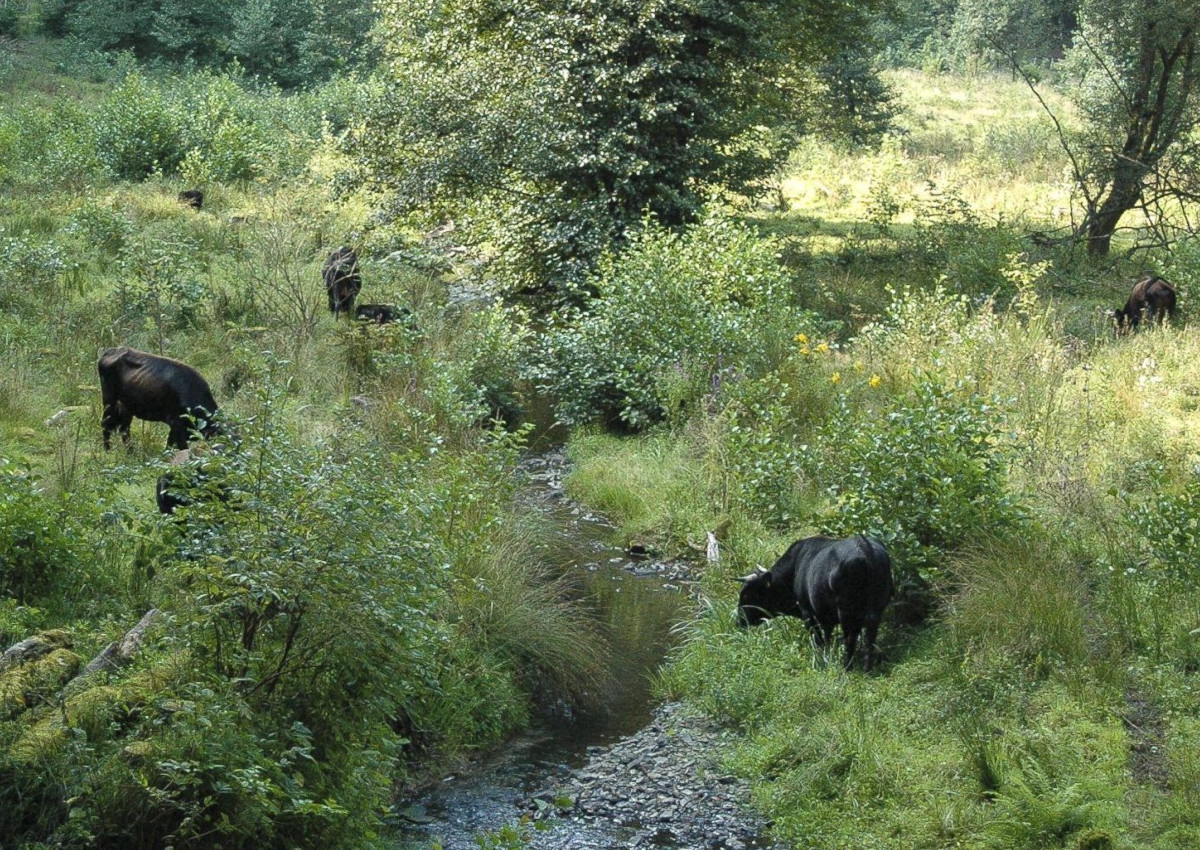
(178, 438)
(115, 419)
(107, 424)
(851, 626)
(872, 629)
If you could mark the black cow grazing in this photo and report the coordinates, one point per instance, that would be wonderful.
(194, 198)
(1152, 296)
(382, 314)
(826, 582)
(159, 389)
(342, 280)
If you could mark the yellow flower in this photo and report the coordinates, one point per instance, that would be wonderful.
(875, 381)
(822, 347)
(835, 377)
(800, 338)
(859, 366)
(804, 350)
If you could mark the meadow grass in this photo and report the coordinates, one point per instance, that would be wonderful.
(999, 722)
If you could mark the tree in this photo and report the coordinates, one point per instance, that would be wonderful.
(547, 127)
(1032, 33)
(292, 42)
(1137, 72)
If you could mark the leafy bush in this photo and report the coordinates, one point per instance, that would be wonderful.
(139, 130)
(763, 451)
(39, 265)
(225, 136)
(161, 284)
(10, 20)
(102, 227)
(1168, 523)
(61, 147)
(671, 313)
(965, 252)
(40, 545)
(927, 477)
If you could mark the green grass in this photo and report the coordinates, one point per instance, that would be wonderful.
(997, 723)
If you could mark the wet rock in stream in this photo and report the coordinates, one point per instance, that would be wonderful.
(663, 786)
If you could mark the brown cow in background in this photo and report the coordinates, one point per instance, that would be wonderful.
(1152, 296)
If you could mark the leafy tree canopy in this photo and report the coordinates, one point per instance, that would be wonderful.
(291, 42)
(1135, 71)
(546, 127)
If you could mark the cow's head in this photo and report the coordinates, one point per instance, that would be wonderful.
(756, 602)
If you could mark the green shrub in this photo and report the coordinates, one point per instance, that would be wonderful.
(160, 284)
(38, 266)
(226, 137)
(10, 20)
(763, 456)
(963, 251)
(103, 228)
(40, 544)
(1168, 522)
(927, 476)
(139, 130)
(61, 145)
(672, 317)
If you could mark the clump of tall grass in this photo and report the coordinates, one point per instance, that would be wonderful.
(1022, 598)
(517, 609)
(652, 484)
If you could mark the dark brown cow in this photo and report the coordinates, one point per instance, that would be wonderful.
(383, 314)
(1152, 296)
(342, 280)
(826, 582)
(194, 198)
(158, 389)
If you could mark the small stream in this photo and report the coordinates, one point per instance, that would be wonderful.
(639, 601)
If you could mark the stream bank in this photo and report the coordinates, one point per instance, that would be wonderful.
(637, 776)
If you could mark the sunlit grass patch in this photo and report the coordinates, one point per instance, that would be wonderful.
(645, 484)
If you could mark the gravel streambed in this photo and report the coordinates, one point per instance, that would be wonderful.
(580, 788)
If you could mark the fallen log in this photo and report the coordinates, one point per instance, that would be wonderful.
(33, 648)
(119, 653)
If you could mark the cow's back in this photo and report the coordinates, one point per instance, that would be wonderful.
(848, 574)
(150, 386)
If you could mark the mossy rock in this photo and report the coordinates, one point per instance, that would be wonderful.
(91, 711)
(36, 682)
(30, 649)
(1094, 839)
